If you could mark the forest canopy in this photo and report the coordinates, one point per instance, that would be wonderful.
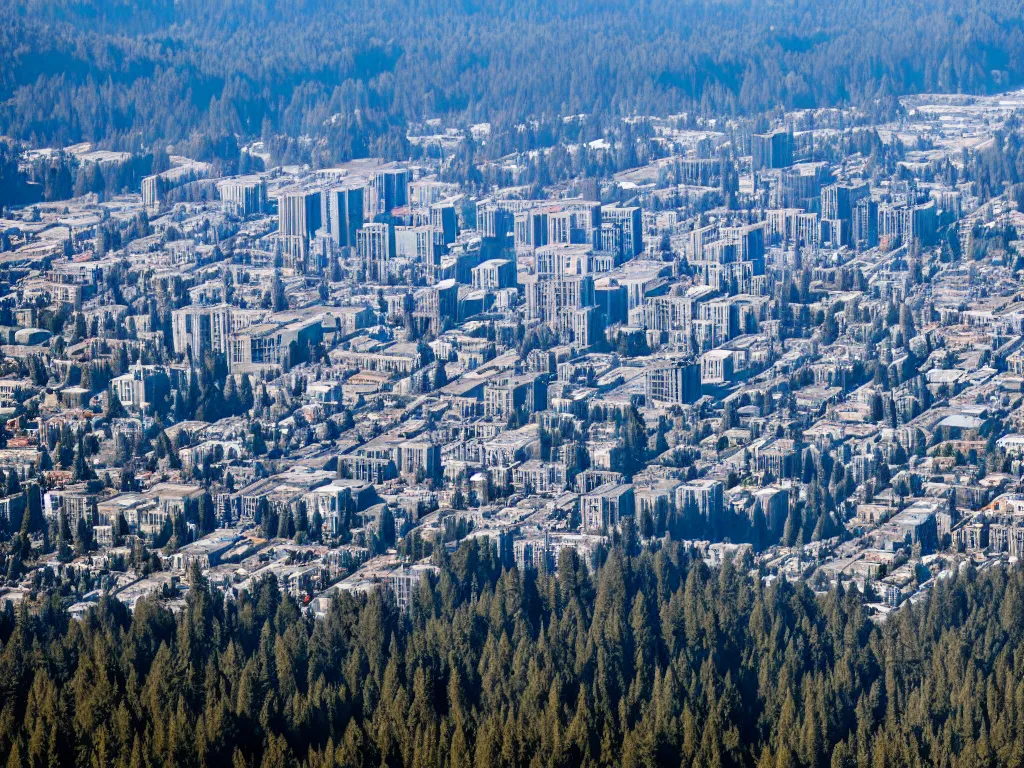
(654, 660)
(356, 74)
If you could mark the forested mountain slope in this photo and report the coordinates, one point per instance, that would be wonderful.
(356, 73)
(658, 660)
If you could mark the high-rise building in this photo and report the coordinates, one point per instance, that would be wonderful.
(531, 229)
(575, 222)
(151, 191)
(344, 215)
(495, 218)
(197, 329)
(445, 223)
(415, 244)
(772, 150)
(559, 260)
(749, 241)
(904, 224)
(547, 297)
(299, 213)
(375, 246)
(630, 221)
(673, 381)
(698, 239)
(838, 200)
(864, 229)
(243, 196)
(704, 496)
(388, 190)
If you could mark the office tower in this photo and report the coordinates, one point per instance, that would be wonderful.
(772, 150)
(865, 224)
(299, 213)
(797, 186)
(903, 224)
(495, 219)
(674, 381)
(546, 297)
(732, 260)
(493, 222)
(197, 329)
(574, 223)
(835, 233)
(415, 244)
(749, 241)
(698, 239)
(838, 200)
(151, 191)
(243, 196)
(445, 223)
(924, 223)
(375, 246)
(531, 229)
(612, 240)
(389, 189)
(630, 221)
(344, 215)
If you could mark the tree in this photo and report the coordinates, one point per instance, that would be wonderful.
(246, 397)
(80, 329)
(114, 409)
(232, 399)
(793, 526)
(64, 553)
(387, 528)
(876, 407)
(279, 302)
(83, 537)
(127, 484)
(634, 442)
(207, 517)
(259, 445)
(81, 469)
(32, 520)
(285, 526)
(907, 323)
(440, 376)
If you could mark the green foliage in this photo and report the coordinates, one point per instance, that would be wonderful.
(197, 72)
(656, 660)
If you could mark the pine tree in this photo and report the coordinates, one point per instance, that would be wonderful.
(440, 376)
(793, 526)
(114, 409)
(246, 395)
(232, 400)
(81, 470)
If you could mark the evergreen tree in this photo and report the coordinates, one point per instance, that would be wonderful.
(81, 469)
(440, 376)
(114, 409)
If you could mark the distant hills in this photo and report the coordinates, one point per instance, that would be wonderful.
(355, 74)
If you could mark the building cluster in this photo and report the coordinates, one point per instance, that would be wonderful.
(766, 343)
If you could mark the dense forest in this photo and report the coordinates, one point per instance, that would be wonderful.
(355, 75)
(656, 659)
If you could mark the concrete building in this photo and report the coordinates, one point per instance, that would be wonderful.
(299, 213)
(629, 222)
(494, 274)
(243, 196)
(344, 215)
(772, 150)
(197, 329)
(375, 247)
(672, 382)
(604, 508)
